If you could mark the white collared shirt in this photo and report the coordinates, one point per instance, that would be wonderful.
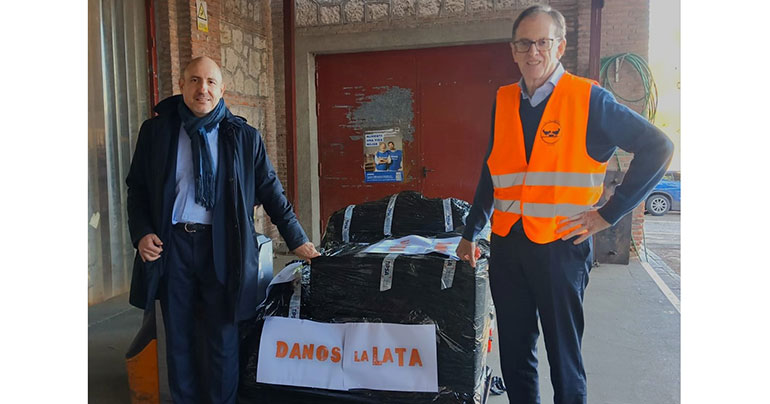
(543, 91)
(186, 210)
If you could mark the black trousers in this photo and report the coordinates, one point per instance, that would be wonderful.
(530, 280)
(193, 300)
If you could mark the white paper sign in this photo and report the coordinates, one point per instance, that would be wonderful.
(395, 357)
(417, 245)
(304, 353)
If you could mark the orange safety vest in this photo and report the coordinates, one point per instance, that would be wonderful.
(561, 179)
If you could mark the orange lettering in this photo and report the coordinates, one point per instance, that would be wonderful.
(322, 353)
(400, 353)
(375, 360)
(364, 357)
(415, 358)
(307, 351)
(387, 356)
(281, 349)
(294, 351)
(336, 354)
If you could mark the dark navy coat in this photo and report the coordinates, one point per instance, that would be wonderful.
(245, 178)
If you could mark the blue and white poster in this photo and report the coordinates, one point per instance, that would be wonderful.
(383, 156)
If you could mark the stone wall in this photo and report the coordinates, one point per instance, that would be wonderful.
(280, 90)
(245, 70)
(247, 61)
(324, 17)
(400, 12)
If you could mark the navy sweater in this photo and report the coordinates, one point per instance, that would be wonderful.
(610, 125)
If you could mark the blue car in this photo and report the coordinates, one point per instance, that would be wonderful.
(665, 196)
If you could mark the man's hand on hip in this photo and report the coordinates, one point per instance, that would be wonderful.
(467, 251)
(150, 247)
(306, 251)
(584, 224)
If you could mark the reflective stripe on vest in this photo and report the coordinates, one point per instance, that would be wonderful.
(549, 178)
(560, 179)
(507, 180)
(545, 210)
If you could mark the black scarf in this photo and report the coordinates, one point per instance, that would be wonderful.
(201, 153)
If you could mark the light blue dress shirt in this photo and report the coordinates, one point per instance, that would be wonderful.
(186, 210)
(543, 91)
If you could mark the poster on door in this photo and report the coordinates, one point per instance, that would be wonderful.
(383, 156)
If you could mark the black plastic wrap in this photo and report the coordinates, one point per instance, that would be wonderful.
(413, 214)
(278, 303)
(344, 286)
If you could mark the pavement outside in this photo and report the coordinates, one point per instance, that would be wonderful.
(663, 248)
(662, 235)
(631, 344)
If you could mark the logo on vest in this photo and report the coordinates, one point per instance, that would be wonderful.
(550, 132)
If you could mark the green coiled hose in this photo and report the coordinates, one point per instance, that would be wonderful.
(649, 108)
(650, 96)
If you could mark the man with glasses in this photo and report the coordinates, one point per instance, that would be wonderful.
(552, 136)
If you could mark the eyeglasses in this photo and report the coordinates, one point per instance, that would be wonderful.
(542, 44)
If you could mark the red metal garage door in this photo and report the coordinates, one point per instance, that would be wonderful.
(437, 100)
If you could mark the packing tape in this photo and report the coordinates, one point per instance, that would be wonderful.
(386, 277)
(448, 276)
(296, 299)
(448, 225)
(389, 215)
(346, 223)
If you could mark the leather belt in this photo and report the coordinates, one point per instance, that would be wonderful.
(193, 227)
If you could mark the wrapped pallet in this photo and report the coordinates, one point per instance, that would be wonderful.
(402, 214)
(387, 283)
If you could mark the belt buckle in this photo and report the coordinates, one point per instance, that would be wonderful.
(188, 229)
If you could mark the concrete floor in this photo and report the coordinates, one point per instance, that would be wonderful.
(112, 326)
(631, 345)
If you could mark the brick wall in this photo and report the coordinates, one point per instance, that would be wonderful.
(172, 18)
(239, 39)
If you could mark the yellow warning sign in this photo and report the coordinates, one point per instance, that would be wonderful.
(203, 16)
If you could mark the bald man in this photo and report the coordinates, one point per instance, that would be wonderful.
(196, 175)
